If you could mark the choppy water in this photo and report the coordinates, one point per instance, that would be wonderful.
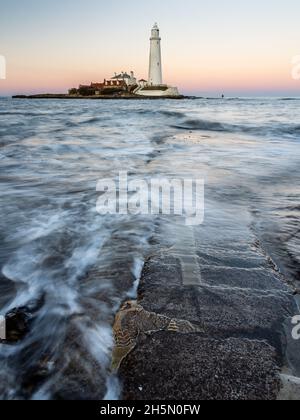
(72, 267)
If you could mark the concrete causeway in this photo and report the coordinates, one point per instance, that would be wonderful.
(245, 308)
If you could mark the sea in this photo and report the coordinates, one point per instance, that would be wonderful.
(66, 269)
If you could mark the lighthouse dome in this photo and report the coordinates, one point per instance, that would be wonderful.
(155, 32)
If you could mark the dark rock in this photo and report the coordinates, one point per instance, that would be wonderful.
(18, 320)
(17, 324)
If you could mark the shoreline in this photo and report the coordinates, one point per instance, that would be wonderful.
(101, 97)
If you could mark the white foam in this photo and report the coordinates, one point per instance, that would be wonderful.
(114, 389)
(137, 272)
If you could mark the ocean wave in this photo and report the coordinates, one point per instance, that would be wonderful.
(176, 114)
(289, 99)
(206, 125)
(92, 120)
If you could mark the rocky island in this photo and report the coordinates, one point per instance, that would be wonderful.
(124, 85)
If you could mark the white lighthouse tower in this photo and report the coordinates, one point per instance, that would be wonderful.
(154, 86)
(155, 68)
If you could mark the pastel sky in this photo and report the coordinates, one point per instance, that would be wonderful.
(209, 46)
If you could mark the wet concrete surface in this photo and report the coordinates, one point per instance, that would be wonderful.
(168, 366)
(243, 306)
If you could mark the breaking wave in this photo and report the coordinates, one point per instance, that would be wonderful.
(205, 125)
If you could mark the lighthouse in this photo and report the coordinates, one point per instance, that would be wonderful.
(155, 87)
(155, 68)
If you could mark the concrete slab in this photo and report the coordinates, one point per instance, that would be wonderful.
(168, 366)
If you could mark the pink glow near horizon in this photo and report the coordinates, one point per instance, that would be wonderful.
(194, 79)
(245, 48)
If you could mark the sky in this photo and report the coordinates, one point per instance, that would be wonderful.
(209, 47)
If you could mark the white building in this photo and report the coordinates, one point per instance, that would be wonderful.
(143, 83)
(129, 79)
(155, 86)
